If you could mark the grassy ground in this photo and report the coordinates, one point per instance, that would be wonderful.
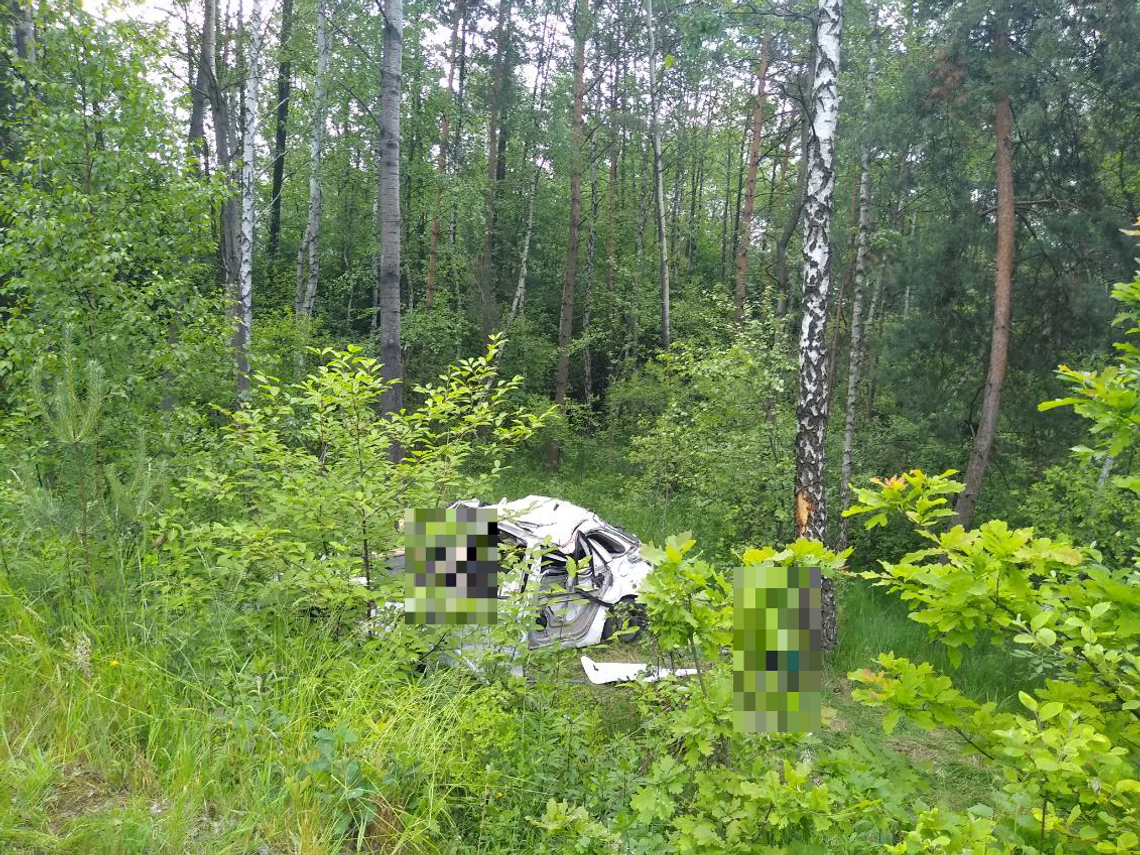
(125, 746)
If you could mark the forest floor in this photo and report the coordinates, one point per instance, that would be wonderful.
(125, 756)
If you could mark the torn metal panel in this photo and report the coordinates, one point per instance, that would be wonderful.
(570, 609)
(601, 673)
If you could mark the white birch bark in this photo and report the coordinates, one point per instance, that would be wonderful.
(659, 190)
(811, 409)
(855, 351)
(244, 320)
(306, 290)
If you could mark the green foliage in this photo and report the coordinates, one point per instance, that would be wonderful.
(1110, 397)
(341, 782)
(305, 488)
(1070, 767)
(720, 412)
(687, 600)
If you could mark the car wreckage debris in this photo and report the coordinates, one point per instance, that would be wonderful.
(601, 673)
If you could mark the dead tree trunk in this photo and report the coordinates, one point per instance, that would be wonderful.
(570, 272)
(1003, 281)
(306, 286)
(810, 511)
(750, 185)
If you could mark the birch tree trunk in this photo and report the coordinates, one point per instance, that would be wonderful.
(570, 272)
(244, 323)
(659, 190)
(306, 286)
(750, 186)
(1003, 281)
(487, 303)
(388, 279)
(855, 350)
(284, 91)
(810, 511)
(441, 158)
(524, 256)
(783, 295)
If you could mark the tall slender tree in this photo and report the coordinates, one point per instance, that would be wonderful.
(658, 176)
(441, 157)
(244, 325)
(487, 302)
(810, 512)
(745, 243)
(1003, 285)
(855, 359)
(307, 281)
(388, 269)
(281, 132)
(570, 270)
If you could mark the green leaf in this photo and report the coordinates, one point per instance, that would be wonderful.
(891, 720)
(1047, 636)
(1027, 701)
(1049, 710)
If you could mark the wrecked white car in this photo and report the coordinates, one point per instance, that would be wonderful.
(575, 609)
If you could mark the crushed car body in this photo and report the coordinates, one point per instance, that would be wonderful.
(579, 608)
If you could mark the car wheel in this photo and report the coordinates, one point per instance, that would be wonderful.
(626, 620)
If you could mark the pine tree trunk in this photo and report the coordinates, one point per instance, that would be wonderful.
(570, 272)
(855, 359)
(441, 158)
(487, 302)
(388, 280)
(284, 90)
(306, 285)
(810, 512)
(1003, 281)
(750, 185)
(659, 190)
(244, 324)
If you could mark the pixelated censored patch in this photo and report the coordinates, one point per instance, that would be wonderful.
(776, 649)
(451, 562)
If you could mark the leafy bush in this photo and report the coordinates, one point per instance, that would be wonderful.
(304, 490)
(1071, 766)
(718, 437)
